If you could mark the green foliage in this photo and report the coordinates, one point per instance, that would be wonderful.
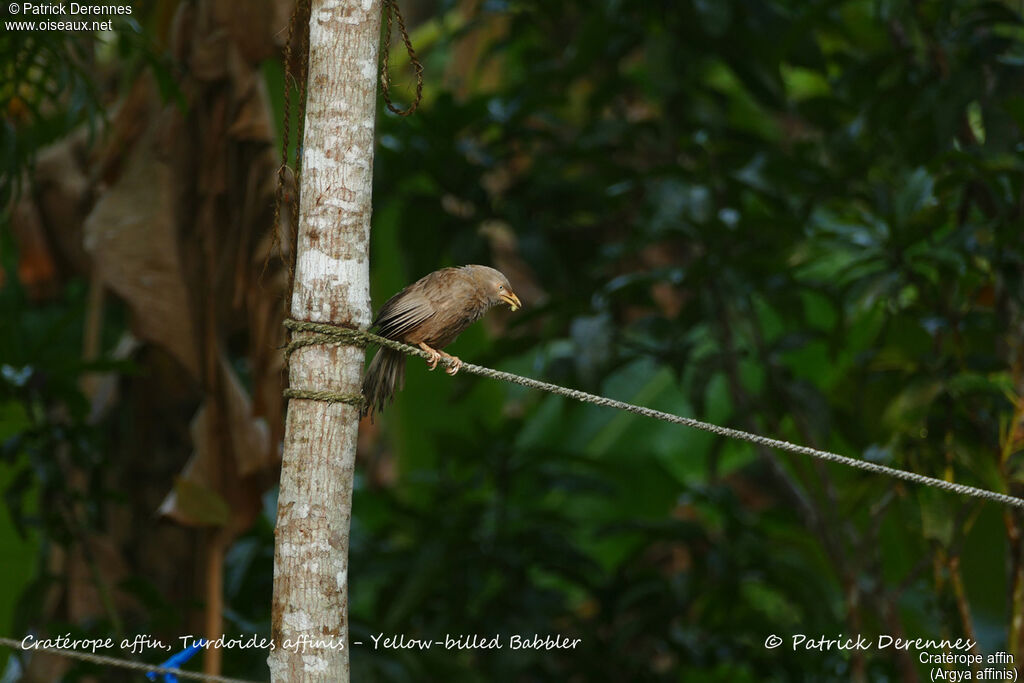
(46, 91)
(50, 84)
(800, 218)
(45, 438)
(55, 470)
(839, 219)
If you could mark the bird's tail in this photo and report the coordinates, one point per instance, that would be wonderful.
(384, 377)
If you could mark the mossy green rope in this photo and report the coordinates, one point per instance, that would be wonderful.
(316, 334)
(326, 396)
(325, 333)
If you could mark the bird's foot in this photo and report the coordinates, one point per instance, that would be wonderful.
(456, 363)
(435, 356)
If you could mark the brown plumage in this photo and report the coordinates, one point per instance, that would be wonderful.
(431, 313)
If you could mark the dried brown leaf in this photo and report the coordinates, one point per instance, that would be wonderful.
(132, 238)
(232, 454)
(63, 192)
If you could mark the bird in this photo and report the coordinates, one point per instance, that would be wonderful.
(430, 313)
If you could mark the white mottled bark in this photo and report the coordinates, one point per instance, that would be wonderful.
(310, 607)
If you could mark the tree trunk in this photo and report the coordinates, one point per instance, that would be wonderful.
(331, 285)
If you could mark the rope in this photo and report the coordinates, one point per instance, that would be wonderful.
(326, 396)
(119, 663)
(299, 17)
(332, 334)
(391, 8)
(321, 334)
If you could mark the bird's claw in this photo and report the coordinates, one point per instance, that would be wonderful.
(434, 357)
(455, 366)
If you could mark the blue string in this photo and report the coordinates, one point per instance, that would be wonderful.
(176, 661)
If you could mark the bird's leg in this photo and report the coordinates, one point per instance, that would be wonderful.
(456, 363)
(434, 356)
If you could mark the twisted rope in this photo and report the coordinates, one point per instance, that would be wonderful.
(391, 9)
(320, 333)
(119, 663)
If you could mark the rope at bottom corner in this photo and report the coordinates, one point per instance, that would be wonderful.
(103, 660)
(326, 333)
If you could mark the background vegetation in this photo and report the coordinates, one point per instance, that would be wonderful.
(801, 218)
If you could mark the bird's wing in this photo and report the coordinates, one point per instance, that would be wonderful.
(402, 313)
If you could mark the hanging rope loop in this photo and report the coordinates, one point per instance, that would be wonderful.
(391, 12)
(296, 59)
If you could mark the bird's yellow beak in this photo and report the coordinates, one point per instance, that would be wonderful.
(512, 300)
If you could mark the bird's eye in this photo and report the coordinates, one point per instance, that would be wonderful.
(501, 287)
